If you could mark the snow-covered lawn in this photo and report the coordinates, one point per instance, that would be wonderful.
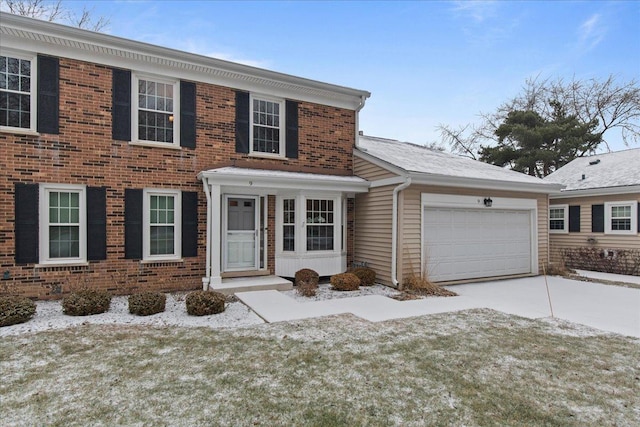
(477, 367)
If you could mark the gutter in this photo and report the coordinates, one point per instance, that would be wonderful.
(360, 106)
(394, 232)
(207, 278)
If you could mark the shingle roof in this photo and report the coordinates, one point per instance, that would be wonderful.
(422, 160)
(617, 169)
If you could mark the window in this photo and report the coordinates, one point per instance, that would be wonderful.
(162, 227)
(62, 224)
(155, 111)
(621, 217)
(288, 225)
(267, 135)
(558, 219)
(17, 92)
(319, 225)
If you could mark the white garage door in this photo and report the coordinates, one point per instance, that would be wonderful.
(472, 243)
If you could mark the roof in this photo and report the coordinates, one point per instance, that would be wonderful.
(33, 35)
(426, 165)
(610, 172)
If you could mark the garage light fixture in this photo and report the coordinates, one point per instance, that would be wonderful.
(488, 202)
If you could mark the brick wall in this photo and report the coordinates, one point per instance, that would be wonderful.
(84, 153)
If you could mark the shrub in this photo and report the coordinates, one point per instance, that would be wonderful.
(618, 261)
(421, 285)
(147, 303)
(366, 275)
(203, 303)
(86, 302)
(345, 282)
(14, 310)
(307, 275)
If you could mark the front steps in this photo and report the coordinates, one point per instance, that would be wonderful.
(234, 285)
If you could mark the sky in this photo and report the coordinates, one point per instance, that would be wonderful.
(425, 62)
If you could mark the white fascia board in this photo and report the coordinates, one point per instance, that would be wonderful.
(607, 191)
(475, 202)
(33, 35)
(479, 183)
(379, 162)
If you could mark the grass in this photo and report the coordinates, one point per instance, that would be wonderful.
(477, 367)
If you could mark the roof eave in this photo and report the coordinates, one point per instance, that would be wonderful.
(603, 191)
(478, 183)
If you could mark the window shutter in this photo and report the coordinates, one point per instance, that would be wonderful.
(291, 134)
(638, 215)
(597, 218)
(26, 217)
(96, 223)
(187, 114)
(133, 224)
(121, 105)
(242, 122)
(189, 224)
(48, 94)
(574, 219)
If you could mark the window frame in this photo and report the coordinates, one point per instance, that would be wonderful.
(135, 110)
(146, 224)
(633, 219)
(565, 219)
(284, 224)
(33, 120)
(307, 224)
(44, 223)
(282, 127)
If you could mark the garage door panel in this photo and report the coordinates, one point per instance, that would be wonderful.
(473, 243)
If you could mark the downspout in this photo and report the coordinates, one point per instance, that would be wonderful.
(394, 231)
(358, 108)
(207, 278)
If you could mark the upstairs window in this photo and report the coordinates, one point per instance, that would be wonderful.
(155, 111)
(558, 219)
(267, 126)
(621, 217)
(17, 92)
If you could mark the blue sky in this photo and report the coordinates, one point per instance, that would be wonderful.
(425, 63)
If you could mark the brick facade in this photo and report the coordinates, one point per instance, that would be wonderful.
(84, 153)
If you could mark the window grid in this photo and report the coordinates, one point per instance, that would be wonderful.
(64, 224)
(266, 126)
(15, 92)
(288, 225)
(155, 111)
(162, 225)
(556, 219)
(320, 225)
(621, 218)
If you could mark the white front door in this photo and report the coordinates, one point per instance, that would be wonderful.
(241, 231)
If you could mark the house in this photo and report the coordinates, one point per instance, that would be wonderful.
(599, 207)
(446, 217)
(130, 166)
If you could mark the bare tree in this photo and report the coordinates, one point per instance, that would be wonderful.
(54, 11)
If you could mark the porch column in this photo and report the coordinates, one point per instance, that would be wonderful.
(216, 235)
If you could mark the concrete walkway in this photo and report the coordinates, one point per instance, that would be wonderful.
(609, 308)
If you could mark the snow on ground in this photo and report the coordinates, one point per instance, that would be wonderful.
(324, 293)
(609, 276)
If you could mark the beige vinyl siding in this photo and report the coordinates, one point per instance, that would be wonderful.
(604, 241)
(409, 238)
(369, 171)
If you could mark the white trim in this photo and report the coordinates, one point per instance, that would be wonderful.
(565, 229)
(281, 128)
(634, 217)
(225, 230)
(177, 224)
(33, 102)
(135, 110)
(607, 191)
(44, 190)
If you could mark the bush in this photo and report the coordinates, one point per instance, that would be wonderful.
(203, 303)
(366, 275)
(147, 303)
(345, 282)
(421, 285)
(618, 261)
(14, 310)
(86, 302)
(307, 275)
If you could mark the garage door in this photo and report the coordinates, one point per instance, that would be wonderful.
(473, 243)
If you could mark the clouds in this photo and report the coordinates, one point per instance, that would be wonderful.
(591, 32)
(478, 11)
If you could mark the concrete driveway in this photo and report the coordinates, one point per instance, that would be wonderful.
(609, 308)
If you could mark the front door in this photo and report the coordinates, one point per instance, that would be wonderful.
(241, 234)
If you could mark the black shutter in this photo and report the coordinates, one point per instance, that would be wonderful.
(187, 114)
(121, 105)
(638, 215)
(242, 122)
(189, 224)
(132, 224)
(597, 218)
(96, 223)
(291, 134)
(48, 94)
(574, 219)
(26, 216)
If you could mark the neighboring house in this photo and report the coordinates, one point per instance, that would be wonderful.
(599, 206)
(128, 165)
(447, 217)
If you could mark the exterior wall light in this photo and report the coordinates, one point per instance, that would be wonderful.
(488, 202)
